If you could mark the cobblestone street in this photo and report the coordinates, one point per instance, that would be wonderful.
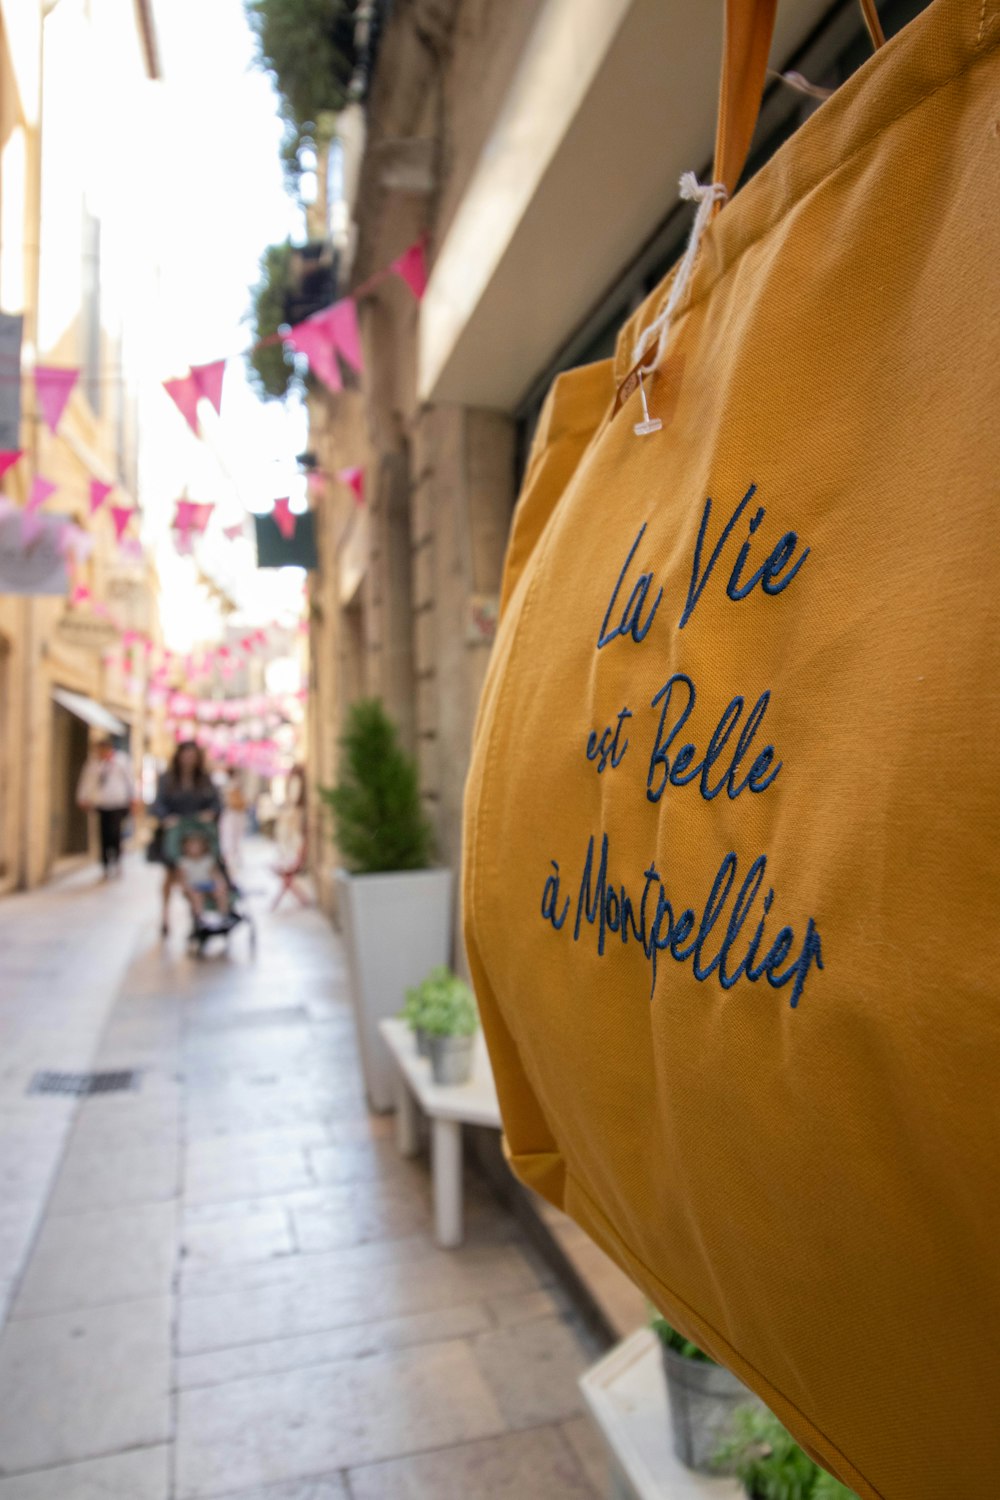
(221, 1281)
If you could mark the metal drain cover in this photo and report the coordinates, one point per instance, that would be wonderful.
(84, 1083)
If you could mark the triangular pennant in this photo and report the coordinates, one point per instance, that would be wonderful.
(40, 491)
(8, 458)
(184, 393)
(283, 518)
(99, 492)
(412, 267)
(53, 384)
(341, 322)
(233, 532)
(314, 342)
(202, 516)
(355, 480)
(121, 515)
(208, 382)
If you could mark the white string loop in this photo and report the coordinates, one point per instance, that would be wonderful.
(706, 195)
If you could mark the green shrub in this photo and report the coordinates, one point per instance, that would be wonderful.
(379, 821)
(308, 48)
(271, 366)
(770, 1464)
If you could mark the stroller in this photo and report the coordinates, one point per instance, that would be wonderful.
(216, 902)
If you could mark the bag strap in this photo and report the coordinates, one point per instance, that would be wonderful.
(749, 27)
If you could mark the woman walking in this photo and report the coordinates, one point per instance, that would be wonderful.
(185, 790)
(107, 786)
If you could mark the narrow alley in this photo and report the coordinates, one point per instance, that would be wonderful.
(219, 1279)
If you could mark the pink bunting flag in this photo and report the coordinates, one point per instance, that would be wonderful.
(53, 385)
(184, 516)
(208, 382)
(8, 458)
(184, 393)
(99, 492)
(40, 491)
(314, 342)
(341, 323)
(411, 266)
(202, 516)
(121, 515)
(355, 480)
(233, 532)
(80, 595)
(283, 518)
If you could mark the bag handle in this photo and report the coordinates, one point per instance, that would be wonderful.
(749, 26)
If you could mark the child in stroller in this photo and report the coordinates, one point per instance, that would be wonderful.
(214, 899)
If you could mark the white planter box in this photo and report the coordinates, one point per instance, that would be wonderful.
(396, 928)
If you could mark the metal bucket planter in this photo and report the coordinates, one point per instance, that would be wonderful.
(451, 1058)
(703, 1398)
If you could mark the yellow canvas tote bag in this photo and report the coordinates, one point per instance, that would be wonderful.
(731, 865)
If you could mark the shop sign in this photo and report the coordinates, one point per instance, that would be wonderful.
(88, 632)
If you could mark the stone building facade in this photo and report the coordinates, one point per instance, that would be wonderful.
(57, 259)
(537, 145)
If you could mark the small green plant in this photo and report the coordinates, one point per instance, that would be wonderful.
(271, 365)
(380, 824)
(671, 1339)
(770, 1464)
(442, 1005)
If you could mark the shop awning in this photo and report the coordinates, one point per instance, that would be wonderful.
(90, 712)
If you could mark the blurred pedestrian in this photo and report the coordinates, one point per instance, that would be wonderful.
(185, 790)
(232, 824)
(107, 787)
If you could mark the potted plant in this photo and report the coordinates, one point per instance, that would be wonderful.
(446, 1013)
(395, 908)
(770, 1464)
(704, 1398)
(411, 1011)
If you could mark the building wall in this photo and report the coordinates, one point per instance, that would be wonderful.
(59, 252)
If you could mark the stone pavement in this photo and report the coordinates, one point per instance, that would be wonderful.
(223, 1281)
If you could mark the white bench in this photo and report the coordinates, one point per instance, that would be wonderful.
(626, 1395)
(448, 1107)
